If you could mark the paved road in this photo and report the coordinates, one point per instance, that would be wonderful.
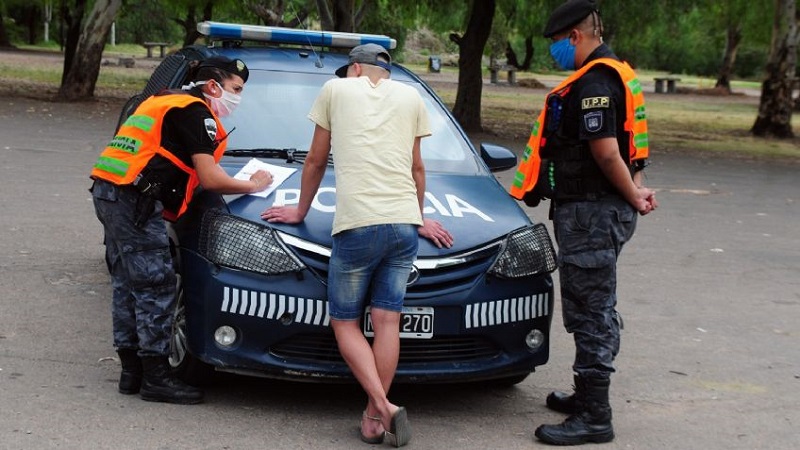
(709, 292)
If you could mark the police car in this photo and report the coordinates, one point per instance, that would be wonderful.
(252, 294)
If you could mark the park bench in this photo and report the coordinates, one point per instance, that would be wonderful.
(670, 83)
(151, 45)
(512, 73)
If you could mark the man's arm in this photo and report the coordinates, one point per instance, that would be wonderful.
(430, 229)
(313, 171)
(606, 153)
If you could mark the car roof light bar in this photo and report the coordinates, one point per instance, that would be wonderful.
(282, 35)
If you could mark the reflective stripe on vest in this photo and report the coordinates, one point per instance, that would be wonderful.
(635, 125)
(139, 140)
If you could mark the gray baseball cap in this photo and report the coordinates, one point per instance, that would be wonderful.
(373, 54)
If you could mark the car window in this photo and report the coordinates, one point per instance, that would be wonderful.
(274, 109)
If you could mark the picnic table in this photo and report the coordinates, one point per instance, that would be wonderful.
(671, 83)
(151, 45)
(511, 70)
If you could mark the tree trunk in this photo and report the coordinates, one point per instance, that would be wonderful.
(272, 14)
(344, 16)
(526, 63)
(189, 24)
(81, 76)
(775, 110)
(511, 56)
(467, 109)
(32, 20)
(734, 37)
(4, 41)
(325, 15)
(73, 19)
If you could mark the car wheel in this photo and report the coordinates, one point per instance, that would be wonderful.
(187, 367)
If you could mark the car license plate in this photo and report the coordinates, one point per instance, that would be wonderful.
(416, 322)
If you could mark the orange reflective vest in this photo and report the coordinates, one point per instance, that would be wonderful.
(139, 140)
(635, 125)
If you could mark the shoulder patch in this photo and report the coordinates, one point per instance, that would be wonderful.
(593, 121)
(595, 102)
(211, 128)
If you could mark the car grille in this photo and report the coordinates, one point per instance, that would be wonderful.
(436, 276)
(322, 348)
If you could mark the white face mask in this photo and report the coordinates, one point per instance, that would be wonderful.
(224, 105)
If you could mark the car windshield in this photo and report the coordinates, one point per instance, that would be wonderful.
(274, 109)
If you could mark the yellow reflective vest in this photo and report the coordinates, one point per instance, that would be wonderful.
(635, 125)
(139, 140)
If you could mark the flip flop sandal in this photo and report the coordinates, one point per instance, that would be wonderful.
(371, 439)
(399, 432)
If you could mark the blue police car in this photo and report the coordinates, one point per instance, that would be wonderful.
(252, 295)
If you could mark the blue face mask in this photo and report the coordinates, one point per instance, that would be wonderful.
(564, 53)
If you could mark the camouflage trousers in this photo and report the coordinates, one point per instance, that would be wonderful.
(590, 236)
(142, 273)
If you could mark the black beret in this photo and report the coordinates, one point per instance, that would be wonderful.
(232, 66)
(568, 15)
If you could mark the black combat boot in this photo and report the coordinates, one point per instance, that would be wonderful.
(567, 403)
(592, 424)
(160, 385)
(131, 377)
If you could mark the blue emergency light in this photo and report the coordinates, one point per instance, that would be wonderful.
(219, 30)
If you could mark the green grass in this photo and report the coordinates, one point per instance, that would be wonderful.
(112, 77)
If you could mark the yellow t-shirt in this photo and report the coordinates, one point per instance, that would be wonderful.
(373, 127)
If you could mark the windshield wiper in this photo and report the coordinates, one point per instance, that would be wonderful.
(291, 155)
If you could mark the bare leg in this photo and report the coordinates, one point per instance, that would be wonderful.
(386, 345)
(360, 358)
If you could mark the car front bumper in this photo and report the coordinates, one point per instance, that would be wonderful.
(283, 329)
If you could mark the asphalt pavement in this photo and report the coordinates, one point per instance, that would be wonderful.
(709, 290)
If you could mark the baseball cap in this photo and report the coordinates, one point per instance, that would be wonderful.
(232, 66)
(373, 54)
(568, 15)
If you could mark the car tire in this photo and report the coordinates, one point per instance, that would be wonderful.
(185, 365)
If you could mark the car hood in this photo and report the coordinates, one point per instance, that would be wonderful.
(474, 208)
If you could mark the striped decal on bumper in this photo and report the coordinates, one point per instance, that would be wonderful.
(499, 312)
(273, 306)
(315, 312)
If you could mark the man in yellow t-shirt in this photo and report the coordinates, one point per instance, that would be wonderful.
(373, 127)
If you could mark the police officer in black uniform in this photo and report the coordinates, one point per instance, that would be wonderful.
(170, 145)
(597, 194)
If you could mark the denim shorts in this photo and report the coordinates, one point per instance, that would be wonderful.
(372, 261)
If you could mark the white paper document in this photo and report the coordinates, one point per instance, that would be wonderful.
(279, 174)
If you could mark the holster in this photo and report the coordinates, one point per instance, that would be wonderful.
(145, 205)
(149, 192)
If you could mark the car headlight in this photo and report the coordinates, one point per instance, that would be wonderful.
(237, 243)
(528, 251)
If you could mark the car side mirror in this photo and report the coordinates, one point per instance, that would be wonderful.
(498, 158)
